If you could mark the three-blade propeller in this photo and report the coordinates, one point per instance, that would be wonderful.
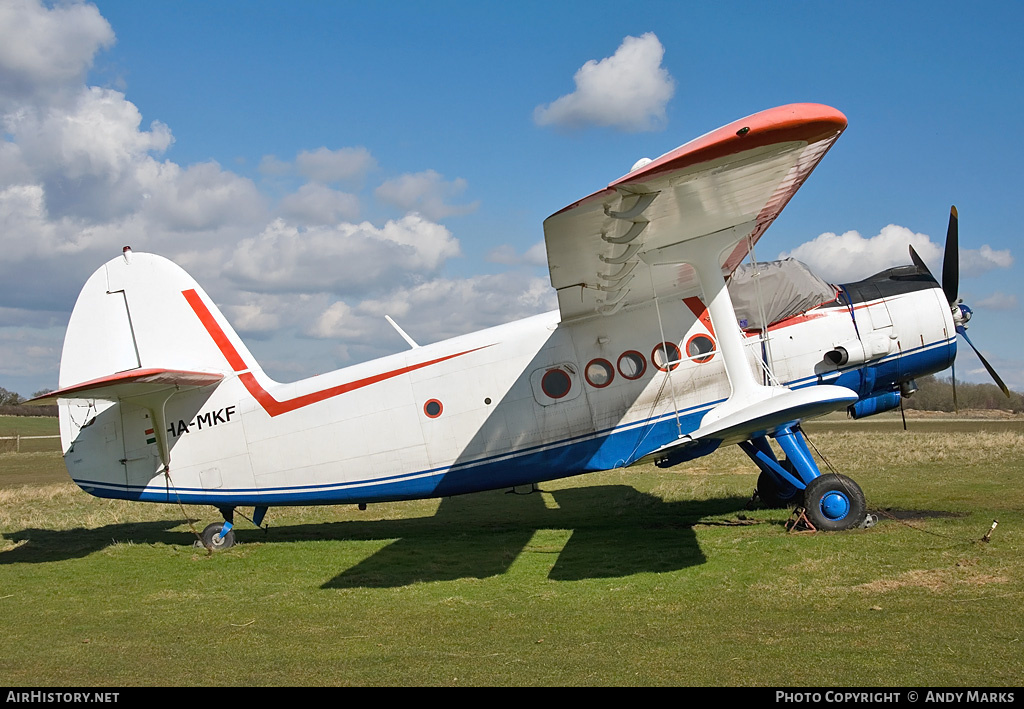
(951, 287)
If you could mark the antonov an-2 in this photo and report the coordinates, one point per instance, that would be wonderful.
(663, 348)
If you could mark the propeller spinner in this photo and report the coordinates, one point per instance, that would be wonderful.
(951, 287)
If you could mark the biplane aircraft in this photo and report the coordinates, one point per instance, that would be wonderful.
(664, 347)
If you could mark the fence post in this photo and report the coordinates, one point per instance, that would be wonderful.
(17, 442)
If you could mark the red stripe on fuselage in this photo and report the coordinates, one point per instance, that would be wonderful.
(271, 405)
(697, 307)
(795, 320)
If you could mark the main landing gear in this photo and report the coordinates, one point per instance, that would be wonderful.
(831, 502)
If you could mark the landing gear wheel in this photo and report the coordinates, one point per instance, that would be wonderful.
(212, 539)
(834, 503)
(776, 496)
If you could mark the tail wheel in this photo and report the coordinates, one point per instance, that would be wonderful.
(212, 538)
(834, 503)
(775, 495)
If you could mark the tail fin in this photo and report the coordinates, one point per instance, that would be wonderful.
(143, 312)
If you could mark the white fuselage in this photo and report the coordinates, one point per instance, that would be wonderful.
(527, 401)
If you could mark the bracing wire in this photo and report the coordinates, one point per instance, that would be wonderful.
(768, 361)
(669, 365)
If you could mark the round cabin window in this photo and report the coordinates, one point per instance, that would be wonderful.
(433, 408)
(666, 356)
(700, 348)
(599, 373)
(556, 383)
(632, 364)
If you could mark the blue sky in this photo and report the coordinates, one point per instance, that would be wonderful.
(316, 165)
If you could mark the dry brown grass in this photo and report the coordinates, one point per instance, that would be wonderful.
(935, 580)
(65, 506)
(858, 449)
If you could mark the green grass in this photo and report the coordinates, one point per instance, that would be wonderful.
(636, 577)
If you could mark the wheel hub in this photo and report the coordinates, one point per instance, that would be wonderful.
(835, 505)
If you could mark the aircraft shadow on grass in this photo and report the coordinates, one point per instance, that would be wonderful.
(614, 531)
(45, 545)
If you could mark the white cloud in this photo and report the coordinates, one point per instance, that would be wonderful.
(29, 351)
(317, 204)
(23, 213)
(536, 255)
(96, 136)
(323, 165)
(974, 262)
(88, 154)
(200, 197)
(46, 49)
(339, 321)
(253, 319)
(438, 309)
(425, 192)
(628, 90)
(271, 166)
(13, 169)
(347, 258)
(847, 257)
(998, 301)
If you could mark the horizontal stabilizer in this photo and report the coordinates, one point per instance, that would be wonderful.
(766, 416)
(132, 383)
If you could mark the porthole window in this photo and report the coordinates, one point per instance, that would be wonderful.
(599, 373)
(555, 383)
(433, 408)
(666, 356)
(632, 364)
(700, 348)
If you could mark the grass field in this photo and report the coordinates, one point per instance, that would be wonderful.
(635, 577)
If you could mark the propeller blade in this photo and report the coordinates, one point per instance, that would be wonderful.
(951, 259)
(963, 332)
(919, 262)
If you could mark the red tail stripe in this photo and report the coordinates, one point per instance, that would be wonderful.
(210, 323)
(271, 405)
(275, 407)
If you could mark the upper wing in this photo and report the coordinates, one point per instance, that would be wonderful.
(626, 243)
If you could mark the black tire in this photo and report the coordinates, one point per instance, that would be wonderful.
(775, 496)
(834, 503)
(212, 541)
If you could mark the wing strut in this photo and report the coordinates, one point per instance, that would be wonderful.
(703, 255)
(669, 365)
(751, 406)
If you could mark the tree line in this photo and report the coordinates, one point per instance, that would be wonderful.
(12, 404)
(936, 394)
